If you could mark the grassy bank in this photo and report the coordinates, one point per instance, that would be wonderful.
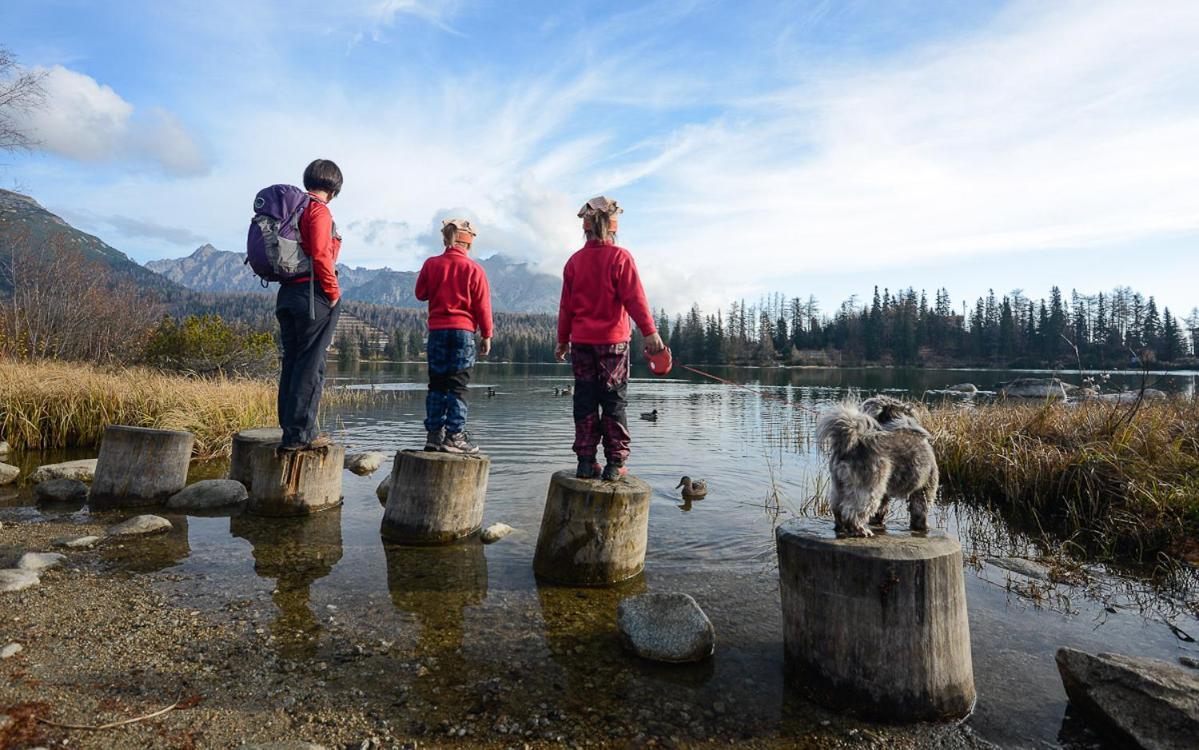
(1118, 481)
(64, 405)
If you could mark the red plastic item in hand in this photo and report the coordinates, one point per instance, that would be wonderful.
(660, 363)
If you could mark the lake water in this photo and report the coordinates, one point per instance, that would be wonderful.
(474, 612)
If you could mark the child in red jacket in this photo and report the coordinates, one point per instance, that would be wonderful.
(600, 290)
(459, 304)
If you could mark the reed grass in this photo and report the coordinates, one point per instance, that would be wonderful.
(1120, 481)
(67, 405)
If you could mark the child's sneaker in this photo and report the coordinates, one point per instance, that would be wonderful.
(588, 468)
(614, 470)
(459, 442)
(435, 439)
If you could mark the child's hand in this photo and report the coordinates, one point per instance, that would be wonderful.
(485, 347)
(561, 352)
(654, 343)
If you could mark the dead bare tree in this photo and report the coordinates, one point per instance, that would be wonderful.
(21, 91)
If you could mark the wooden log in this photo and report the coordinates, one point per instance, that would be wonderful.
(294, 483)
(593, 533)
(435, 498)
(876, 625)
(244, 444)
(140, 466)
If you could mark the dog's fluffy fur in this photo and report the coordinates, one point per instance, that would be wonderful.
(877, 451)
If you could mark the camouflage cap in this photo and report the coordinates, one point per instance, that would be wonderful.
(600, 205)
(460, 225)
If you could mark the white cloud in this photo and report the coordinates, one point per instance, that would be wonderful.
(87, 121)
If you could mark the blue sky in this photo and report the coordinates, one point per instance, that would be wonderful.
(804, 147)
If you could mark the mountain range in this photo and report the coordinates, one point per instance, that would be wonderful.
(515, 286)
(26, 226)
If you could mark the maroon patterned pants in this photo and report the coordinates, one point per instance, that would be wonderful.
(601, 383)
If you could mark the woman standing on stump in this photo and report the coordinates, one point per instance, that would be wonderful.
(600, 290)
(307, 309)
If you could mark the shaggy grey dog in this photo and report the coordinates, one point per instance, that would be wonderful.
(877, 450)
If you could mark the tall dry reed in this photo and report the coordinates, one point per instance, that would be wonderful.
(62, 405)
(1119, 480)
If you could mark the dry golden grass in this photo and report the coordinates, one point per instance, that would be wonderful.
(1120, 481)
(62, 405)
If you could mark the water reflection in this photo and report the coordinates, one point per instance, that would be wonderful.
(436, 585)
(150, 553)
(295, 553)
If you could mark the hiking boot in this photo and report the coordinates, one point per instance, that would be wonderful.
(588, 468)
(459, 442)
(614, 470)
(435, 439)
(320, 441)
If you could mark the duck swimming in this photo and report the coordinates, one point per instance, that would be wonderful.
(693, 490)
(650, 416)
(490, 392)
(568, 390)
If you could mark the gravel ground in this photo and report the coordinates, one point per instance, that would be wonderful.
(103, 642)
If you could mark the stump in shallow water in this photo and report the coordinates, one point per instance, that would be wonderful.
(435, 498)
(294, 483)
(593, 533)
(140, 466)
(876, 625)
(243, 447)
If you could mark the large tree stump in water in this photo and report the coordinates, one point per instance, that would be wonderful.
(593, 533)
(435, 498)
(140, 466)
(244, 444)
(876, 625)
(294, 483)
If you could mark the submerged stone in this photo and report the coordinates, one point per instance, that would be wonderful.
(8, 473)
(76, 542)
(1151, 703)
(14, 579)
(146, 524)
(61, 491)
(383, 490)
(38, 561)
(1021, 566)
(665, 627)
(208, 494)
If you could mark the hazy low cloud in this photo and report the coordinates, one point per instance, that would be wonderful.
(87, 121)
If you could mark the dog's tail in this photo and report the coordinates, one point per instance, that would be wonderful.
(845, 429)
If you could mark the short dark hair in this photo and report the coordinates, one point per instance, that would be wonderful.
(323, 174)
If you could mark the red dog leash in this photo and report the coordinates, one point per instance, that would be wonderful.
(719, 379)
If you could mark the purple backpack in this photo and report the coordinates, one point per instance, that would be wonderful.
(273, 248)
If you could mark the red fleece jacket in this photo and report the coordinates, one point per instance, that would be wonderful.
(600, 290)
(322, 244)
(456, 289)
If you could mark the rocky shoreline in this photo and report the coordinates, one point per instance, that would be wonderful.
(100, 642)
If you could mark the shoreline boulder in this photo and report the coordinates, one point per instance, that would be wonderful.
(60, 491)
(8, 473)
(138, 525)
(15, 579)
(1042, 388)
(208, 494)
(665, 627)
(39, 561)
(1152, 703)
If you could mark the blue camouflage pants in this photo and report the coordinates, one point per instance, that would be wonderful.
(451, 354)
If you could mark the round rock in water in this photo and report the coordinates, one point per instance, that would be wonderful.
(3, 447)
(140, 525)
(495, 532)
(665, 627)
(83, 470)
(208, 494)
(76, 542)
(13, 579)
(8, 473)
(383, 490)
(60, 491)
(365, 463)
(38, 561)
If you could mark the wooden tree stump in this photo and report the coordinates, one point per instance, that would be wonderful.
(295, 483)
(244, 444)
(435, 498)
(593, 533)
(876, 625)
(140, 466)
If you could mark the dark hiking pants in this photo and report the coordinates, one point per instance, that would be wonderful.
(601, 384)
(451, 355)
(305, 342)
